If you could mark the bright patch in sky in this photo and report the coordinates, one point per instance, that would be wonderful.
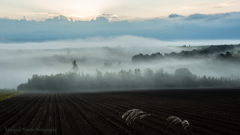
(124, 9)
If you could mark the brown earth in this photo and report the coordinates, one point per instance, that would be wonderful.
(208, 112)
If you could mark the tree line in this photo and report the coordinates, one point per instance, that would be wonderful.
(195, 53)
(182, 78)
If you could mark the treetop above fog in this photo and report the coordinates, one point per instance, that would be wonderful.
(182, 78)
(216, 52)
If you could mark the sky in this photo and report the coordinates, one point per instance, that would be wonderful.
(45, 20)
(123, 9)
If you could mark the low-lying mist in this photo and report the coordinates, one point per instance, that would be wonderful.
(20, 61)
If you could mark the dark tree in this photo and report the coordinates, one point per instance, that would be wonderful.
(147, 58)
(75, 67)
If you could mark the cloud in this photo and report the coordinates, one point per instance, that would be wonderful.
(201, 4)
(198, 16)
(174, 27)
(37, 14)
(101, 19)
(174, 16)
(193, 6)
(226, 4)
(110, 17)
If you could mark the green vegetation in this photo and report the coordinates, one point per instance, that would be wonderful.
(6, 93)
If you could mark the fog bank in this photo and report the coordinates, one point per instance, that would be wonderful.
(20, 61)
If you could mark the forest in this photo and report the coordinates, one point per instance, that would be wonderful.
(218, 52)
(136, 79)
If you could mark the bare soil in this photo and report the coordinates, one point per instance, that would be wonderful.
(208, 112)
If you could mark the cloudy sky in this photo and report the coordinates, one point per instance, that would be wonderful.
(34, 20)
(124, 9)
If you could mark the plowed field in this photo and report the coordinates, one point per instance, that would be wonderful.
(208, 112)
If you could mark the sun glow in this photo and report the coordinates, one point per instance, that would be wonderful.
(44, 9)
(78, 9)
(125, 9)
(75, 16)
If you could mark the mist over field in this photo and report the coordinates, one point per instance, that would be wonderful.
(19, 61)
